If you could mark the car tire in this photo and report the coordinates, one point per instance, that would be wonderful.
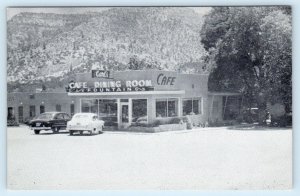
(71, 132)
(81, 132)
(100, 130)
(91, 132)
(36, 131)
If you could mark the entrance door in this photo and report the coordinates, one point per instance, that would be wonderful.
(124, 118)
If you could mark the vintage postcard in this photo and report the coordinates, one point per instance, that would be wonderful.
(149, 98)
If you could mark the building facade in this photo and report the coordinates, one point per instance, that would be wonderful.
(125, 97)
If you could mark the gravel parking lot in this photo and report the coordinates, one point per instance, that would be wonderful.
(206, 158)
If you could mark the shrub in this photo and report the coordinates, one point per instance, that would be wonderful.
(176, 120)
(12, 123)
(188, 121)
(157, 123)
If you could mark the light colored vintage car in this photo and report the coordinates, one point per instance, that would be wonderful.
(85, 122)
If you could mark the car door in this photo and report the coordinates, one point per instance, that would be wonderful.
(66, 119)
(59, 120)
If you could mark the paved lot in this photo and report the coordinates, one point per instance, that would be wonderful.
(210, 158)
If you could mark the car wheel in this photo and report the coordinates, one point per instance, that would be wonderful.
(71, 132)
(81, 132)
(91, 132)
(36, 131)
(100, 130)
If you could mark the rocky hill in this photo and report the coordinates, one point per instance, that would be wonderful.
(47, 47)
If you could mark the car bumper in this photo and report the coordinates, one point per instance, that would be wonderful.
(79, 129)
(40, 128)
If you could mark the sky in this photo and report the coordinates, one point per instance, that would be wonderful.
(74, 10)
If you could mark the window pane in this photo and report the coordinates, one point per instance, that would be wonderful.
(94, 106)
(196, 106)
(124, 114)
(108, 111)
(85, 105)
(172, 107)
(139, 110)
(89, 106)
(124, 100)
(187, 107)
(161, 108)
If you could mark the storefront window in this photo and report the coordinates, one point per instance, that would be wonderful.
(85, 106)
(161, 108)
(187, 107)
(139, 111)
(94, 106)
(196, 106)
(108, 111)
(167, 107)
(191, 106)
(172, 107)
(89, 106)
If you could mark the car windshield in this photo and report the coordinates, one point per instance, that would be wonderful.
(82, 116)
(45, 116)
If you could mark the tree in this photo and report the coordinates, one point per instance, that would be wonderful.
(133, 63)
(250, 48)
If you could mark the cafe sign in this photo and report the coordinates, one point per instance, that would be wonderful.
(110, 86)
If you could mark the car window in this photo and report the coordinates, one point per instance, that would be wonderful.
(44, 116)
(59, 116)
(66, 116)
(81, 116)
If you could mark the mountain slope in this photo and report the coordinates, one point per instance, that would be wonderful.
(43, 47)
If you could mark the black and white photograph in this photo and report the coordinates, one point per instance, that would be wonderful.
(149, 98)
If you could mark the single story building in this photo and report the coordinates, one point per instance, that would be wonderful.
(124, 97)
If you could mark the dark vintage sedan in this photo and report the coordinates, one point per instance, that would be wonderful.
(49, 121)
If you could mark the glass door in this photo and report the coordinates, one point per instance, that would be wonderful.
(124, 114)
